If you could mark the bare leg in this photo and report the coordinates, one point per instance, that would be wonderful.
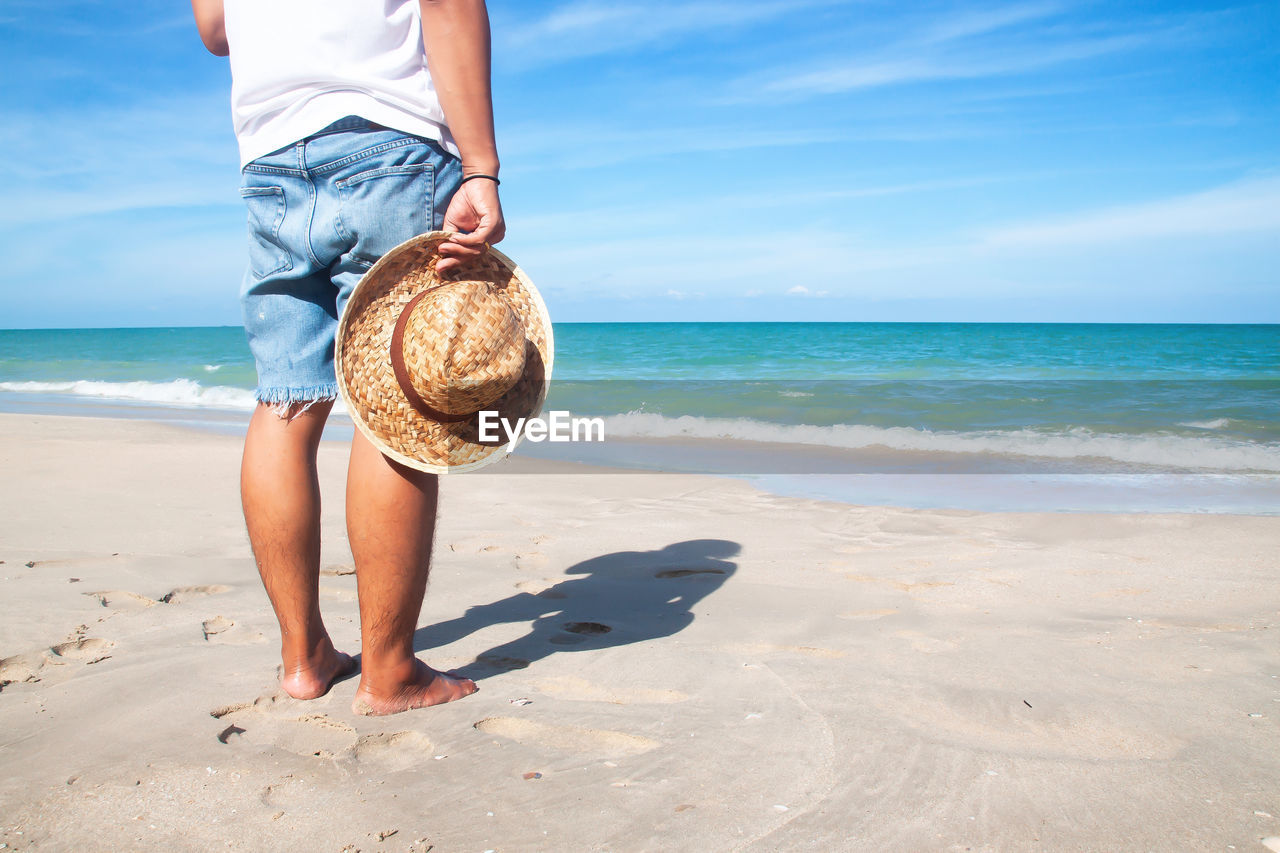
(391, 518)
(281, 494)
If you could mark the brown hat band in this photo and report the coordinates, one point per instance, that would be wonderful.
(402, 373)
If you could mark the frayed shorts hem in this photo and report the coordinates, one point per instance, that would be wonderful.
(291, 402)
(312, 394)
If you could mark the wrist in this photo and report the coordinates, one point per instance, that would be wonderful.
(480, 167)
(480, 176)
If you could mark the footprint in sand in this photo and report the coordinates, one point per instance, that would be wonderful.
(184, 594)
(220, 629)
(122, 599)
(20, 669)
(216, 625)
(566, 738)
(687, 573)
(578, 632)
(85, 650)
(263, 702)
(502, 663)
(308, 735)
(338, 571)
(273, 722)
(531, 561)
(588, 628)
(393, 750)
(34, 666)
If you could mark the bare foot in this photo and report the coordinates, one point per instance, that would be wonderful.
(310, 676)
(423, 687)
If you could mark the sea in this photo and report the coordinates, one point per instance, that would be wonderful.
(966, 416)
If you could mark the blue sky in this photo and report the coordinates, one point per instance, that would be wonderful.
(705, 160)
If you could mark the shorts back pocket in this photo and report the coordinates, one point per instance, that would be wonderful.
(266, 213)
(381, 208)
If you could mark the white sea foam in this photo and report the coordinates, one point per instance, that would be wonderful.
(1216, 423)
(179, 392)
(1202, 453)
(1198, 453)
(183, 393)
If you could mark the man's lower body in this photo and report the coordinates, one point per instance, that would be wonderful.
(321, 212)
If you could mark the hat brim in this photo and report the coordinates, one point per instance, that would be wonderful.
(367, 382)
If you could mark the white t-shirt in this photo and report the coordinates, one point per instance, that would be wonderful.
(297, 66)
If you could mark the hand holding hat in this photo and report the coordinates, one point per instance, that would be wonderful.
(475, 219)
(420, 353)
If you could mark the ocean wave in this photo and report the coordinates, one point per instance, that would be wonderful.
(183, 393)
(178, 392)
(1216, 423)
(1198, 453)
(1202, 452)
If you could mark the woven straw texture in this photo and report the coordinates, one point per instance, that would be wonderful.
(452, 340)
(465, 345)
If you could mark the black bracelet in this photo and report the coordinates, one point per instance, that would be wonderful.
(493, 178)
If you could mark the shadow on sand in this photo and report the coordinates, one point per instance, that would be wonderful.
(619, 598)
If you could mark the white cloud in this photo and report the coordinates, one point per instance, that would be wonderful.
(731, 212)
(163, 152)
(1246, 206)
(995, 42)
(968, 24)
(801, 290)
(587, 146)
(846, 77)
(1218, 238)
(583, 29)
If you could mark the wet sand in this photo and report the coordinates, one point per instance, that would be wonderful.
(665, 662)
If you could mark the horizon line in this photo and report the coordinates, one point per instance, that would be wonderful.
(725, 322)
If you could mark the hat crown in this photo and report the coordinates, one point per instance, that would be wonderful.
(463, 347)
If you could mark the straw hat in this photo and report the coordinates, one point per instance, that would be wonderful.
(419, 355)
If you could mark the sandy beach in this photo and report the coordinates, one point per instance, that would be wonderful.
(665, 662)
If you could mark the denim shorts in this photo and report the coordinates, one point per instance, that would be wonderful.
(321, 212)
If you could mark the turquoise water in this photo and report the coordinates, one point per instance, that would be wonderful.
(915, 351)
(718, 351)
(1028, 397)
